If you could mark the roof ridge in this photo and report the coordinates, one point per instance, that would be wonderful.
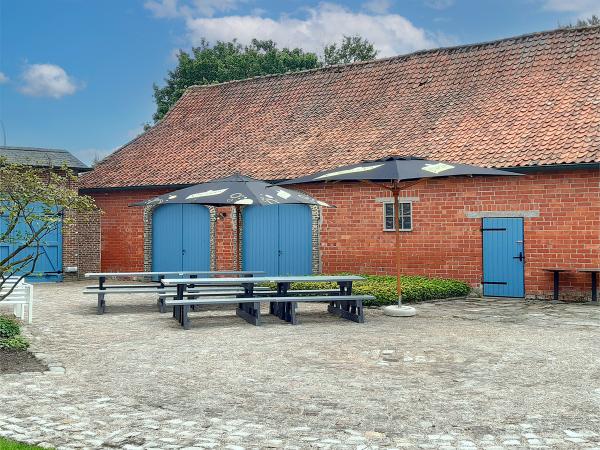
(32, 149)
(395, 57)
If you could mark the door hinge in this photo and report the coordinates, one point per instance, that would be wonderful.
(492, 229)
(494, 282)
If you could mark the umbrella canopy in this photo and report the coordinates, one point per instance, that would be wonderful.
(234, 190)
(395, 170)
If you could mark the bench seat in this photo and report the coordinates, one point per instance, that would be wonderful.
(346, 306)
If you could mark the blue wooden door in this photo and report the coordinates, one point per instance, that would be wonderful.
(48, 266)
(503, 257)
(180, 238)
(277, 239)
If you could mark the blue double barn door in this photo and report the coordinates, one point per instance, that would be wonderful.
(180, 238)
(48, 265)
(277, 239)
(503, 257)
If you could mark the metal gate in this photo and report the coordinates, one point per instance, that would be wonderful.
(277, 239)
(180, 238)
(48, 266)
(503, 257)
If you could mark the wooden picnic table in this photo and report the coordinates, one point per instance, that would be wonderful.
(156, 287)
(282, 302)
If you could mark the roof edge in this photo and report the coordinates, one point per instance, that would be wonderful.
(523, 169)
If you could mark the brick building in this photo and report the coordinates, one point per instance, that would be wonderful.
(69, 251)
(529, 104)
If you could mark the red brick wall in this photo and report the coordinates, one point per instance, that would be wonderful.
(444, 242)
(123, 229)
(225, 233)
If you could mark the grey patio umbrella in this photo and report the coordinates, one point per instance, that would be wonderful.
(235, 190)
(390, 173)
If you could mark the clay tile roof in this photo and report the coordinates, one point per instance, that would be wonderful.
(525, 101)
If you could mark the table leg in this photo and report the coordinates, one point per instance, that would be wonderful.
(101, 308)
(250, 312)
(556, 285)
(594, 288)
(185, 319)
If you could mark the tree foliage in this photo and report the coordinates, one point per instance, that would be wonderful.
(592, 21)
(32, 205)
(228, 61)
(352, 49)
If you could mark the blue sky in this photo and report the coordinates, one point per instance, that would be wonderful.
(78, 74)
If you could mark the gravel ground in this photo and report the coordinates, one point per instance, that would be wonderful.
(19, 361)
(461, 374)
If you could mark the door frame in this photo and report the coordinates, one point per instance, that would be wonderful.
(483, 260)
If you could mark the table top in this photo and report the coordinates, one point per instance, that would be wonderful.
(149, 274)
(557, 269)
(265, 279)
(589, 270)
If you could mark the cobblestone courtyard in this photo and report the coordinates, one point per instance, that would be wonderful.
(462, 374)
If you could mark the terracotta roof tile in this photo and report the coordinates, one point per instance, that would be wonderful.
(524, 101)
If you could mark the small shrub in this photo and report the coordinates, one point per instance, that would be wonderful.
(8, 327)
(383, 288)
(14, 343)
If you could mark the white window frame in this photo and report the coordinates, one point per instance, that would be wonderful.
(391, 202)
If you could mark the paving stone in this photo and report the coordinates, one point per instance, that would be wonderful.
(461, 374)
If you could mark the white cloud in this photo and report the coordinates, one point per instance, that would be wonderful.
(579, 7)
(163, 8)
(47, 80)
(191, 8)
(391, 34)
(3, 78)
(377, 6)
(439, 4)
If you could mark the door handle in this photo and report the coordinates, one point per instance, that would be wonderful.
(520, 257)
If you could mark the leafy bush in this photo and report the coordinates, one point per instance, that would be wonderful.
(8, 327)
(14, 343)
(383, 288)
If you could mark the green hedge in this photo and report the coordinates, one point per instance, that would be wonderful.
(383, 288)
(10, 338)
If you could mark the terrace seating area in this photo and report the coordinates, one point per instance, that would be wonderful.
(233, 287)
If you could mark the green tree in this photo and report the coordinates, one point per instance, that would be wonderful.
(351, 49)
(227, 61)
(33, 201)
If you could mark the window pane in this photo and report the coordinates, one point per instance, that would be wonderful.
(406, 223)
(405, 209)
(389, 223)
(389, 209)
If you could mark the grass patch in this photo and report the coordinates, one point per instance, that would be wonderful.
(6, 444)
(383, 288)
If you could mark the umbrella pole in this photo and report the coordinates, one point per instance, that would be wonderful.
(237, 237)
(396, 192)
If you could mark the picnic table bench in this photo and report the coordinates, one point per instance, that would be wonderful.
(102, 289)
(282, 301)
